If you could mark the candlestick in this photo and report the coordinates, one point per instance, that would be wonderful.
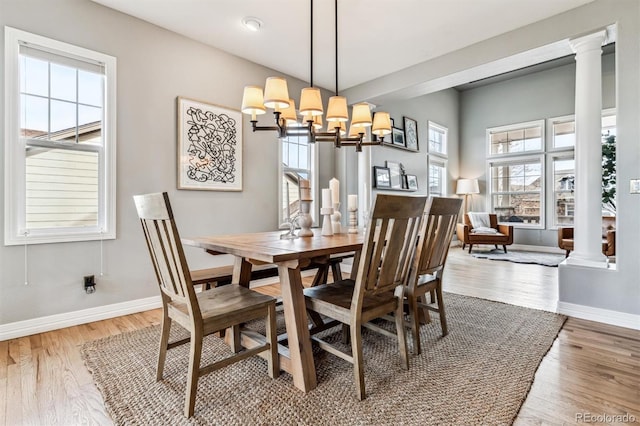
(326, 212)
(304, 220)
(336, 219)
(334, 185)
(353, 221)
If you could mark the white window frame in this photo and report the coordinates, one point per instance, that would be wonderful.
(440, 162)
(14, 190)
(516, 126)
(551, 202)
(506, 160)
(313, 162)
(445, 142)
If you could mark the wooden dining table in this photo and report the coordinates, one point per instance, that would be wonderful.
(289, 255)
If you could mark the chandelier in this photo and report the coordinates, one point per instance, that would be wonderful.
(275, 96)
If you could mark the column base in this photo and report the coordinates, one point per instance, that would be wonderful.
(597, 260)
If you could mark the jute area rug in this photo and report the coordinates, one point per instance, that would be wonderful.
(479, 374)
(538, 258)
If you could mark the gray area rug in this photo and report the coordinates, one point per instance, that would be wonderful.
(479, 374)
(534, 257)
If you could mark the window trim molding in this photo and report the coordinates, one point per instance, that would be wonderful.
(313, 210)
(551, 158)
(14, 186)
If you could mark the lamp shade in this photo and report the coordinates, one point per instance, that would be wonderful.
(289, 114)
(253, 101)
(276, 94)
(337, 109)
(361, 115)
(316, 119)
(467, 186)
(381, 124)
(331, 127)
(355, 131)
(311, 101)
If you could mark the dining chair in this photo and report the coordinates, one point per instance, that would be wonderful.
(201, 313)
(378, 289)
(436, 232)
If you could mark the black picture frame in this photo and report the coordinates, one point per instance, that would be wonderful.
(411, 182)
(381, 177)
(411, 133)
(397, 137)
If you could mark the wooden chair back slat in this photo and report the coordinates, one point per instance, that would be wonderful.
(165, 248)
(435, 236)
(389, 245)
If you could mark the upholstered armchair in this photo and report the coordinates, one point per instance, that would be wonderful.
(501, 234)
(565, 241)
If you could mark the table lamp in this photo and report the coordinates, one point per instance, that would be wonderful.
(466, 187)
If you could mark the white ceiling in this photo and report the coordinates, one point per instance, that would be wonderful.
(376, 37)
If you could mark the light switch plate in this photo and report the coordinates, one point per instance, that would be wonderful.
(634, 187)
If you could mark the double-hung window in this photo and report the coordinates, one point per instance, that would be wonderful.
(516, 178)
(437, 160)
(562, 163)
(59, 141)
(298, 161)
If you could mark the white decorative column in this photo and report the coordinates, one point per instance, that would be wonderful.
(588, 152)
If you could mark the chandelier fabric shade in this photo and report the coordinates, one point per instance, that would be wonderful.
(381, 124)
(253, 101)
(276, 94)
(276, 97)
(311, 101)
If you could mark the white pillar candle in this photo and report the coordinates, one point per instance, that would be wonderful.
(334, 185)
(326, 197)
(352, 202)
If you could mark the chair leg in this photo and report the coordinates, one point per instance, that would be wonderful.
(195, 352)
(402, 338)
(336, 271)
(164, 343)
(470, 246)
(273, 359)
(414, 317)
(496, 246)
(463, 245)
(504, 248)
(443, 316)
(358, 366)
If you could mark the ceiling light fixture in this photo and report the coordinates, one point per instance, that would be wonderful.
(276, 97)
(253, 24)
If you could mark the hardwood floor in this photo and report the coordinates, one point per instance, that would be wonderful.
(592, 369)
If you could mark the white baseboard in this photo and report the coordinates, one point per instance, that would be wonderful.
(68, 319)
(621, 319)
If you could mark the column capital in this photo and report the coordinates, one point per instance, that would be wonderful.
(588, 42)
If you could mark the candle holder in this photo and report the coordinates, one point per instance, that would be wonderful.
(327, 228)
(336, 219)
(353, 221)
(304, 219)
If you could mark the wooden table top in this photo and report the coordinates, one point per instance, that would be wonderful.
(268, 247)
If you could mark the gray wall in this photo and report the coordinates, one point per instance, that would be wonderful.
(538, 96)
(440, 107)
(154, 67)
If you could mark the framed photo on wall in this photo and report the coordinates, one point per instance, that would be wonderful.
(209, 146)
(412, 182)
(398, 137)
(411, 133)
(395, 174)
(381, 177)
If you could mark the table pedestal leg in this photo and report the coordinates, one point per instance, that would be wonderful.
(295, 315)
